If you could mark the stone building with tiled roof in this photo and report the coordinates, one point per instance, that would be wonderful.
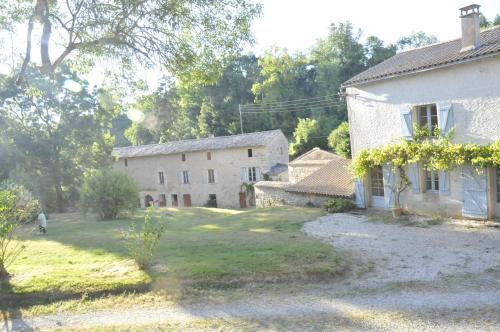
(315, 177)
(200, 171)
(450, 85)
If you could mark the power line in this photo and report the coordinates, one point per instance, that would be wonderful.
(299, 108)
(295, 101)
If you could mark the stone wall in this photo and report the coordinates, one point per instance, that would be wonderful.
(273, 193)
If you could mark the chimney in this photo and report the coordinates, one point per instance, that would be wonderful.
(470, 27)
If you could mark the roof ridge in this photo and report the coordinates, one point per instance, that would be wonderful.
(198, 139)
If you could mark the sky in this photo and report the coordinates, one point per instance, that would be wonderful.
(296, 24)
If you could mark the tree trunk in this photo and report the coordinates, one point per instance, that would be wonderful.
(60, 206)
(3, 272)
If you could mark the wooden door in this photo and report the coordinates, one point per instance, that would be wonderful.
(187, 200)
(243, 200)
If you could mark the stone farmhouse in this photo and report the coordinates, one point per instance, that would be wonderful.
(314, 177)
(208, 171)
(450, 85)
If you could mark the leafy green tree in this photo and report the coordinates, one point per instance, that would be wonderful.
(138, 135)
(15, 208)
(182, 128)
(305, 137)
(376, 51)
(484, 23)
(339, 140)
(186, 37)
(416, 39)
(60, 130)
(108, 193)
(207, 119)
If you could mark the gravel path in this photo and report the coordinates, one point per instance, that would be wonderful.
(404, 253)
(441, 278)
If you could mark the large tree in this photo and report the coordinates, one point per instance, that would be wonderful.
(185, 36)
(60, 130)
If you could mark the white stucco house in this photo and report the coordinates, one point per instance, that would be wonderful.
(453, 84)
(200, 171)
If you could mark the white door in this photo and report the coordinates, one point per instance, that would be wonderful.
(377, 187)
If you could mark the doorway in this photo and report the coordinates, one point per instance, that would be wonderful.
(148, 201)
(243, 200)
(187, 200)
(377, 187)
(175, 201)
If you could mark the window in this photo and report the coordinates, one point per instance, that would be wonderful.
(252, 174)
(185, 177)
(163, 200)
(175, 202)
(183, 157)
(125, 161)
(161, 178)
(209, 155)
(211, 176)
(427, 117)
(250, 153)
(377, 181)
(498, 185)
(432, 181)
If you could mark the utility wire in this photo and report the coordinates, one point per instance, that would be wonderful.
(291, 108)
(296, 101)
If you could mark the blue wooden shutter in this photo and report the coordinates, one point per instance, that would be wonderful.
(406, 123)
(244, 174)
(475, 199)
(414, 176)
(389, 179)
(359, 190)
(444, 183)
(445, 117)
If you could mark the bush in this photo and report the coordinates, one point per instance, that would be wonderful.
(142, 242)
(108, 193)
(337, 205)
(27, 207)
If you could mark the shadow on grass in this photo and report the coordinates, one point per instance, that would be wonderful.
(10, 310)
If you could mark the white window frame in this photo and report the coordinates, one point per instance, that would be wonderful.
(428, 109)
(211, 176)
(252, 174)
(185, 177)
(434, 181)
(379, 179)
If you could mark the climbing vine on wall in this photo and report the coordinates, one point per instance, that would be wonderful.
(437, 153)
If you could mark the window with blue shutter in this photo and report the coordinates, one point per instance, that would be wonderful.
(444, 183)
(414, 177)
(389, 181)
(406, 123)
(445, 114)
(359, 191)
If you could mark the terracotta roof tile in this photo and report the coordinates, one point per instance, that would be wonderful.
(429, 57)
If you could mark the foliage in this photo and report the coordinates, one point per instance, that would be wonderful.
(339, 140)
(416, 39)
(14, 210)
(484, 23)
(187, 38)
(305, 137)
(142, 242)
(339, 205)
(26, 205)
(57, 129)
(108, 193)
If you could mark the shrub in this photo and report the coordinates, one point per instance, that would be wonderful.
(337, 205)
(27, 207)
(143, 241)
(108, 193)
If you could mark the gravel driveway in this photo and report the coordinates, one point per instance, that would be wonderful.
(408, 253)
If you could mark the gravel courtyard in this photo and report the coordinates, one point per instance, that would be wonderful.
(410, 253)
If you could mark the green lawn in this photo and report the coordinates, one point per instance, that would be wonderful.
(202, 248)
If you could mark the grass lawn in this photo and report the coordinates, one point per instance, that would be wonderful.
(202, 248)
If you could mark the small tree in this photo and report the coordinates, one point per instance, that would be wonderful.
(10, 220)
(143, 241)
(109, 193)
(339, 140)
